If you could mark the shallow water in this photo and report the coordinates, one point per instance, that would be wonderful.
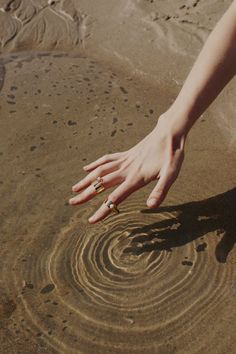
(142, 281)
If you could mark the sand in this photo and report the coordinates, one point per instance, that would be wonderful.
(79, 79)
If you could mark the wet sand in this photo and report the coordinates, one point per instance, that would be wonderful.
(143, 281)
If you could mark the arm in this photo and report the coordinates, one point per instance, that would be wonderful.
(160, 154)
(213, 69)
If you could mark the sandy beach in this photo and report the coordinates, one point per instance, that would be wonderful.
(79, 79)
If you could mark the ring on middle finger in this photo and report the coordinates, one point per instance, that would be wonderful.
(98, 185)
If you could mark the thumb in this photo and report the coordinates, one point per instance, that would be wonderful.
(160, 191)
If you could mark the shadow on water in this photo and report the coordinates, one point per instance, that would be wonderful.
(192, 221)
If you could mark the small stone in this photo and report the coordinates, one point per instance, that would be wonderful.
(188, 263)
(47, 289)
(70, 122)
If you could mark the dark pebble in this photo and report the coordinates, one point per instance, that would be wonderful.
(70, 122)
(47, 289)
(188, 263)
(123, 89)
(201, 247)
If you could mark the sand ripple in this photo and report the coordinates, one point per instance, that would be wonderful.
(41, 24)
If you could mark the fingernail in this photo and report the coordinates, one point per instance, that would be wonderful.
(71, 201)
(151, 202)
(91, 219)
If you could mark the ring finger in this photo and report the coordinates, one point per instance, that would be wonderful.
(108, 181)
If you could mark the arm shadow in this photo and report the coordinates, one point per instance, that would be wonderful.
(191, 221)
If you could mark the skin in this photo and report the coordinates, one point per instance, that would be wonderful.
(159, 156)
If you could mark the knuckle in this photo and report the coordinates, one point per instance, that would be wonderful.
(105, 157)
(145, 178)
(113, 196)
(126, 163)
(120, 177)
(132, 184)
(139, 180)
(129, 182)
(132, 178)
(123, 169)
(99, 170)
(115, 155)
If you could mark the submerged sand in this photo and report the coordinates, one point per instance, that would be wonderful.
(75, 84)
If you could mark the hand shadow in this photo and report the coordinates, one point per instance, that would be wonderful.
(192, 221)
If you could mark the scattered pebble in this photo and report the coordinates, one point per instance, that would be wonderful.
(70, 122)
(47, 289)
(201, 247)
(188, 263)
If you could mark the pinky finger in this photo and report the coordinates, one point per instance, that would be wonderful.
(104, 159)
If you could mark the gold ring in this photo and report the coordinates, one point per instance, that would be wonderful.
(98, 186)
(111, 205)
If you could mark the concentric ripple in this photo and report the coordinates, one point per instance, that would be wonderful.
(129, 284)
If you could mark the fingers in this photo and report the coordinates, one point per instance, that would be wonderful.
(101, 160)
(99, 171)
(108, 181)
(117, 196)
(161, 189)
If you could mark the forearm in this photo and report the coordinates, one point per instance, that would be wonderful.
(213, 69)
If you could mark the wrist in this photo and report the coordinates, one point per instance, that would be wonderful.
(186, 109)
(174, 123)
(170, 128)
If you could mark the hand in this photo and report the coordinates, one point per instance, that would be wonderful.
(158, 156)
